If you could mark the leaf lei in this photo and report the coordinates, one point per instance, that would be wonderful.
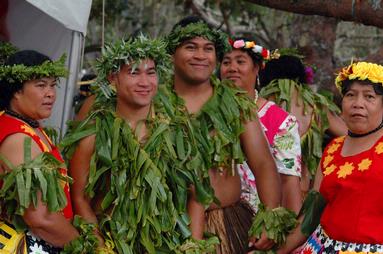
(22, 183)
(219, 123)
(277, 223)
(311, 142)
(199, 29)
(132, 51)
(145, 216)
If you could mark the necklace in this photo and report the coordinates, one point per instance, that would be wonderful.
(33, 123)
(357, 135)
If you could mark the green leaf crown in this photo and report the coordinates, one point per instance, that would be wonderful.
(198, 29)
(132, 51)
(20, 72)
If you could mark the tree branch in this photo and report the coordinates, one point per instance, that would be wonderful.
(358, 11)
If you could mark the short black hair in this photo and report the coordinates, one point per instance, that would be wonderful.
(27, 58)
(346, 85)
(189, 20)
(285, 67)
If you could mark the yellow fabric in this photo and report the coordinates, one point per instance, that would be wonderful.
(14, 245)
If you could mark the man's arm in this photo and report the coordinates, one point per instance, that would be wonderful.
(52, 227)
(262, 164)
(196, 212)
(79, 171)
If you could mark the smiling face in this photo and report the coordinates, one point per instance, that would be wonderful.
(195, 60)
(362, 108)
(35, 100)
(137, 86)
(240, 68)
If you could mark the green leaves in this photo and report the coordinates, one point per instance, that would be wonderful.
(277, 223)
(20, 72)
(22, 183)
(87, 242)
(312, 209)
(311, 141)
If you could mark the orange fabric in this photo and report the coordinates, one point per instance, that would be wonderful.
(352, 187)
(10, 125)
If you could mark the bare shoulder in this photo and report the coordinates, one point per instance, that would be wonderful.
(85, 147)
(12, 148)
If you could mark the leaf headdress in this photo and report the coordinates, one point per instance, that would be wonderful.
(198, 29)
(132, 51)
(20, 72)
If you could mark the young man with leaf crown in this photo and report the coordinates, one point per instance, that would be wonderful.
(224, 125)
(131, 173)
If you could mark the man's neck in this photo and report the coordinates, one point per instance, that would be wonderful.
(132, 115)
(194, 95)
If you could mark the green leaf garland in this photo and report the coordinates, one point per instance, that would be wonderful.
(22, 183)
(311, 142)
(21, 73)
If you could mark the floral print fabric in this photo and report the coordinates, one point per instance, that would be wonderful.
(281, 131)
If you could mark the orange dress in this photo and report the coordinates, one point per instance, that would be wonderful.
(10, 125)
(353, 189)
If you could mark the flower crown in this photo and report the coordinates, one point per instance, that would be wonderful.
(132, 51)
(360, 71)
(198, 29)
(20, 72)
(242, 44)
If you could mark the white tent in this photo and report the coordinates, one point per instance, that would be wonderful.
(52, 27)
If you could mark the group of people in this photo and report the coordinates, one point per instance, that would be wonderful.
(171, 157)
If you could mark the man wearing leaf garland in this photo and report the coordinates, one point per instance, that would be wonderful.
(34, 193)
(284, 80)
(128, 174)
(223, 120)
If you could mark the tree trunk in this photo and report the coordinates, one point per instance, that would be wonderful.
(361, 11)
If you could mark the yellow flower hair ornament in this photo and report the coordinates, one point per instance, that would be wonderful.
(360, 71)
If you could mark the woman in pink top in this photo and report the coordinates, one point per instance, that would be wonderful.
(241, 65)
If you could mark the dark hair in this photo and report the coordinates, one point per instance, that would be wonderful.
(285, 67)
(27, 58)
(346, 85)
(256, 57)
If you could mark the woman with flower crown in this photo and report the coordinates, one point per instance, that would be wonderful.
(349, 204)
(241, 65)
(34, 190)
